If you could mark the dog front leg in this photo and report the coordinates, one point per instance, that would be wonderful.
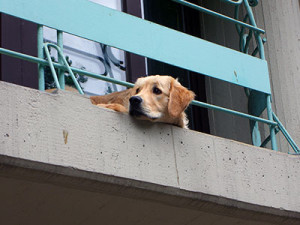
(114, 106)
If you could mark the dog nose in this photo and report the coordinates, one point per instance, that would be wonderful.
(135, 100)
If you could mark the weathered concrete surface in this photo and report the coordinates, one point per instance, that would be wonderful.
(59, 151)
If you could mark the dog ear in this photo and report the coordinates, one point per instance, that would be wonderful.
(179, 99)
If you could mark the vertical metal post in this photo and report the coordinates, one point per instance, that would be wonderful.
(61, 73)
(262, 56)
(40, 40)
(272, 128)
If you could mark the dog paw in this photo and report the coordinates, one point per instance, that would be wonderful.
(115, 107)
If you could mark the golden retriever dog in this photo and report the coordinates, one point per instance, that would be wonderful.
(154, 98)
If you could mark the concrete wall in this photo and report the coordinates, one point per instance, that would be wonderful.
(45, 136)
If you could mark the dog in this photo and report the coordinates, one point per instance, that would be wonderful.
(155, 98)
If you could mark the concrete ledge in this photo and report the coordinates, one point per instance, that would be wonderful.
(63, 134)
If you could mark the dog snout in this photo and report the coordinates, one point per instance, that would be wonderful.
(135, 101)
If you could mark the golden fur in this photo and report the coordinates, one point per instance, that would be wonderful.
(154, 98)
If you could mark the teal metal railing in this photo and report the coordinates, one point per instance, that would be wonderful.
(62, 60)
(130, 34)
(245, 39)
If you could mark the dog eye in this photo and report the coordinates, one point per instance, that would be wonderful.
(137, 91)
(156, 91)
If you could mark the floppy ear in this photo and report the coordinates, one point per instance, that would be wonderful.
(179, 99)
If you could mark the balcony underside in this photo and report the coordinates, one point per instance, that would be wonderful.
(65, 161)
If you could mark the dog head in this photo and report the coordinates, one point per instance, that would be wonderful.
(160, 99)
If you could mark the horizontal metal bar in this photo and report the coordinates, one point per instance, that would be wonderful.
(255, 118)
(221, 16)
(59, 66)
(127, 84)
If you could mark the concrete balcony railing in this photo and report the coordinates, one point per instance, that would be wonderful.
(66, 161)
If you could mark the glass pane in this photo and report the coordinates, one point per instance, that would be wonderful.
(93, 57)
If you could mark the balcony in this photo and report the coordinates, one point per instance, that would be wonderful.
(66, 161)
(105, 166)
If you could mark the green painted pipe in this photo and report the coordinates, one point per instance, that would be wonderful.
(40, 54)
